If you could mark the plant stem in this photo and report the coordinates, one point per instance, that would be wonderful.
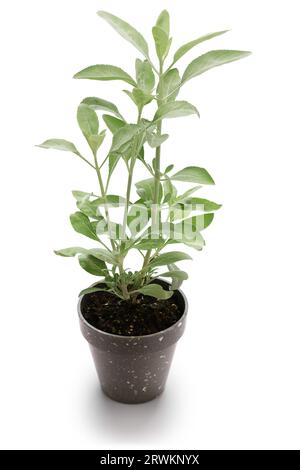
(155, 211)
(127, 202)
(103, 194)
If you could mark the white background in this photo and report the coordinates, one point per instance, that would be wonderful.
(234, 383)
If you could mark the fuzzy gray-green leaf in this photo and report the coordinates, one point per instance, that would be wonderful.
(210, 60)
(81, 224)
(105, 72)
(169, 85)
(169, 258)
(193, 174)
(126, 31)
(92, 265)
(59, 144)
(188, 46)
(154, 290)
(102, 105)
(175, 109)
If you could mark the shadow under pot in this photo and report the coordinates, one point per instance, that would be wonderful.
(133, 369)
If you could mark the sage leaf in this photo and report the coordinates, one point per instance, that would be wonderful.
(169, 258)
(169, 85)
(124, 135)
(126, 31)
(187, 193)
(175, 109)
(92, 265)
(154, 290)
(79, 195)
(102, 254)
(176, 274)
(113, 124)
(144, 76)
(59, 144)
(149, 244)
(73, 251)
(163, 22)
(188, 46)
(207, 205)
(193, 174)
(102, 105)
(162, 43)
(197, 222)
(87, 120)
(81, 224)
(210, 60)
(104, 72)
(155, 140)
(146, 189)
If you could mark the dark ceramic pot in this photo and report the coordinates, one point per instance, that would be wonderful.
(134, 369)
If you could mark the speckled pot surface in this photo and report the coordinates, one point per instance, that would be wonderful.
(134, 369)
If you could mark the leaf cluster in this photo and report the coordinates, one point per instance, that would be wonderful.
(158, 215)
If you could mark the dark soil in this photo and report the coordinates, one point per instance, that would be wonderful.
(108, 313)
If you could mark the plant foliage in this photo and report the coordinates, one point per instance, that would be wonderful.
(159, 216)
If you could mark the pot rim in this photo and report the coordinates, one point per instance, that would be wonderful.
(81, 317)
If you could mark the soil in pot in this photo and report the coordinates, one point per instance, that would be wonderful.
(148, 315)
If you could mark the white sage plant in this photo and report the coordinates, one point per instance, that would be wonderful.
(159, 216)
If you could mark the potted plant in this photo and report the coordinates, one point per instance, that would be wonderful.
(132, 319)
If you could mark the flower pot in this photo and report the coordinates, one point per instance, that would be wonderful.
(134, 369)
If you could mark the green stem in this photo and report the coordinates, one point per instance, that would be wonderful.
(127, 202)
(155, 212)
(103, 194)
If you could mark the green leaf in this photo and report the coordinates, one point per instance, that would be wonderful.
(209, 60)
(102, 254)
(186, 235)
(138, 217)
(59, 144)
(162, 43)
(155, 140)
(170, 191)
(73, 251)
(207, 205)
(169, 258)
(163, 22)
(197, 222)
(144, 76)
(81, 224)
(79, 195)
(175, 109)
(193, 174)
(139, 97)
(124, 135)
(92, 265)
(154, 290)
(187, 193)
(102, 105)
(176, 274)
(169, 85)
(113, 124)
(91, 290)
(126, 31)
(110, 199)
(89, 208)
(149, 244)
(176, 283)
(104, 72)
(95, 141)
(188, 46)
(146, 189)
(87, 120)
(113, 159)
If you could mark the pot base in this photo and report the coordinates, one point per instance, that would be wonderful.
(136, 401)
